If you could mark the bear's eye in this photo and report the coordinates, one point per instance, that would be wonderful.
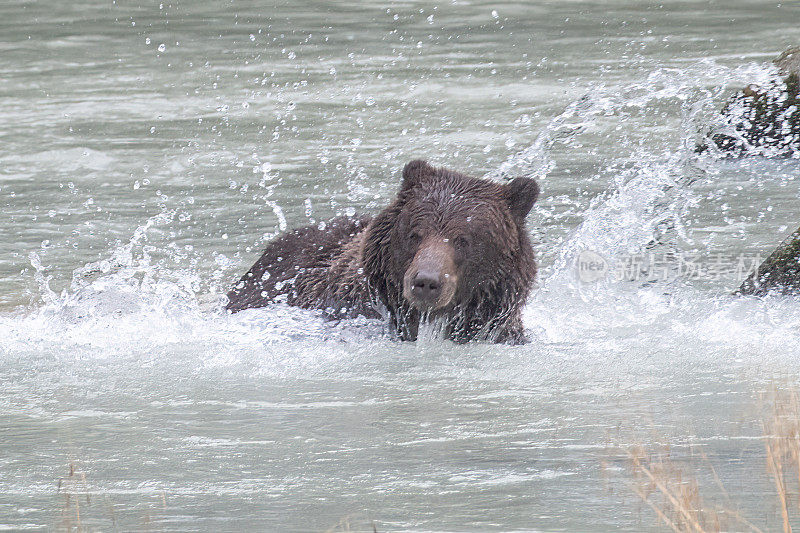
(414, 237)
(461, 242)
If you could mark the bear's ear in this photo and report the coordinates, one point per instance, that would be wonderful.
(522, 194)
(414, 172)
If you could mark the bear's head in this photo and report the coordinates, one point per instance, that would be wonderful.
(450, 242)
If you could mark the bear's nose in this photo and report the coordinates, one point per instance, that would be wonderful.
(426, 287)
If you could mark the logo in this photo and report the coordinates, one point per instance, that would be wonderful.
(591, 266)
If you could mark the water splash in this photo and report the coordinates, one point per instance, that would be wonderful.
(133, 301)
(534, 160)
(48, 295)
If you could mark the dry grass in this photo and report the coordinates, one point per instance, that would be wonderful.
(671, 493)
(671, 487)
(82, 509)
(782, 445)
(73, 491)
(346, 525)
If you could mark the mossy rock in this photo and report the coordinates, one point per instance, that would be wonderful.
(779, 273)
(763, 120)
(789, 61)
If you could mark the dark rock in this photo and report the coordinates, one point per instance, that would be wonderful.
(763, 120)
(779, 273)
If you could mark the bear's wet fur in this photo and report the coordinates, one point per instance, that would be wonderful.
(310, 268)
(450, 249)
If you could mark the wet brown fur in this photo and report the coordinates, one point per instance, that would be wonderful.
(313, 268)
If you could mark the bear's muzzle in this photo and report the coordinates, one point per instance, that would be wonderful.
(430, 281)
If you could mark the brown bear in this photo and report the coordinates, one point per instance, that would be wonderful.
(450, 249)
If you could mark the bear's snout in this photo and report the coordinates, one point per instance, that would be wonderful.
(430, 281)
(426, 286)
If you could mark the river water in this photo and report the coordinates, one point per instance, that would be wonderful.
(149, 152)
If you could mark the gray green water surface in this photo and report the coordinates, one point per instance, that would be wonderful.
(148, 151)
